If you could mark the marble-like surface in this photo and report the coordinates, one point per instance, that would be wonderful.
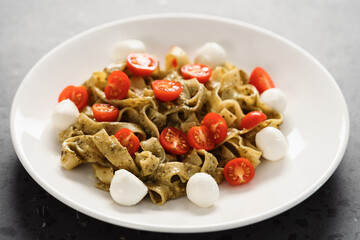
(327, 29)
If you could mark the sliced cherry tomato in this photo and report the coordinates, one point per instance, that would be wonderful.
(78, 95)
(118, 85)
(141, 64)
(174, 141)
(128, 139)
(199, 71)
(252, 119)
(239, 171)
(200, 137)
(166, 90)
(104, 112)
(261, 80)
(217, 125)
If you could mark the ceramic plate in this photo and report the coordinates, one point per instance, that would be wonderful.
(316, 122)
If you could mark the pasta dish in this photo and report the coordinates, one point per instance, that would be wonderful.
(168, 137)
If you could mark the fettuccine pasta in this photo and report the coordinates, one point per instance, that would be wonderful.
(227, 93)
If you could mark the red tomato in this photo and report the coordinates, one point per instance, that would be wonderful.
(201, 138)
(141, 64)
(78, 95)
(199, 71)
(104, 112)
(252, 119)
(166, 90)
(128, 139)
(261, 80)
(174, 62)
(174, 141)
(217, 125)
(239, 171)
(118, 85)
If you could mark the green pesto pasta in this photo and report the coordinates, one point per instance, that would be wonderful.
(228, 93)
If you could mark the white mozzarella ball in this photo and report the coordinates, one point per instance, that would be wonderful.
(274, 98)
(124, 48)
(126, 189)
(202, 190)
(210, 54)
(272, 143)
(65, 113)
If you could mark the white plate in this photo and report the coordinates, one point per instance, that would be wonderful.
(316, 122)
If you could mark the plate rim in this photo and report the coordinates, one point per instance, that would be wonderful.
(208, 228)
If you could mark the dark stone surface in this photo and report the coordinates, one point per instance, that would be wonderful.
(327, 29)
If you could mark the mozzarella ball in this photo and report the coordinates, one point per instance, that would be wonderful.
(272, 143)
(126, 189)
(202, 190)
(124, 48)
(65, 114)
(210, 54)
(274, 98)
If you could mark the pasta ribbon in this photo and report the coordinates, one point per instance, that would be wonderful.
(118, 155)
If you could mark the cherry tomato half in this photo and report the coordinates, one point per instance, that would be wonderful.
(128, 139)
(118, 85)
(78, 95)
(174, 141)
(104, 112)
(252, 119)
(261, 80)
(217, 125)
(166, 90)
(239, 171)
(141, 64)
(199, 71)
(200, 137)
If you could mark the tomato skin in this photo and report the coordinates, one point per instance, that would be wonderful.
(174, 63)
(141, 64)
(128, 139)
(199, 71)
(166, 90)
(104, 112)
(239, 171)
(200, 137)
(118, 85)
(252, 119)
(261, 80)
(217, 125)
(78, 95)
(174, 141)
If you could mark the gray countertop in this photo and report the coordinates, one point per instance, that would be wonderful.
(327, 29)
